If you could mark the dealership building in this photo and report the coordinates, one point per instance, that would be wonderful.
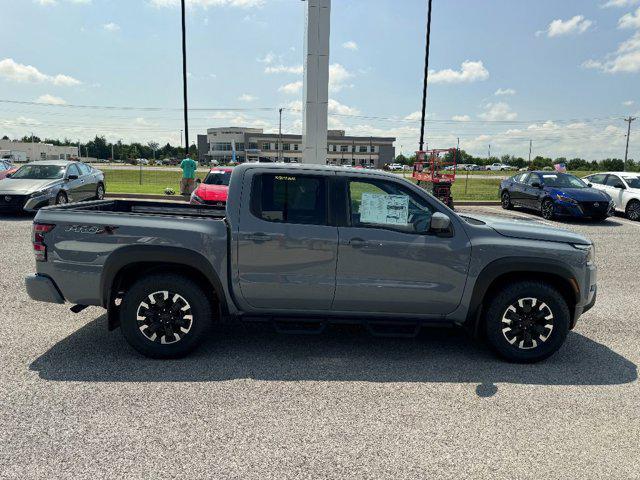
(253, 145)
(39, 151)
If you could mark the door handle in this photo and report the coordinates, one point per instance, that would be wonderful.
(357, 243)
(258, 237)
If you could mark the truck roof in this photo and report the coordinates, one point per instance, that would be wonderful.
(313, 167)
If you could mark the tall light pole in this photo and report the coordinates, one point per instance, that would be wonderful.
(184, 79)
(530, 145)
(426, 77)
(626, 151)
(280, 137)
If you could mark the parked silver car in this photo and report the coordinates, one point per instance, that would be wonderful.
(38, 184)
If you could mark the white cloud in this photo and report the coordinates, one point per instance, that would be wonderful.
(294, 69)
(338, 108)
(46, 3)
(209, 3)
(619, 3)
(628, 103)
(338, 76)
(350, 45)
(469, 72)
(505, 91)
(498, 111)
(630, 20)
(18, 72)
(246, 97)
(51, 100)
(111, 27)
(461, 118)
(292, 88)
(575, 25)
(413, 116)
(268, 58)
(626, 59)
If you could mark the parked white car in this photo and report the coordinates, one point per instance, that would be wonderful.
(395, 166)
(623, 187)
(500, 167)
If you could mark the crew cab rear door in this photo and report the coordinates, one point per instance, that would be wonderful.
(286, 250)
(387, 262)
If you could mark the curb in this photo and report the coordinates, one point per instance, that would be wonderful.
(180, 198)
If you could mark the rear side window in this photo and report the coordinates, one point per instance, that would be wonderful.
(290, 198)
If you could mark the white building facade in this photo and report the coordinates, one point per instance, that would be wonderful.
(39, 151)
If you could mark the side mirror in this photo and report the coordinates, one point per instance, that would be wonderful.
(440, 223)
(589, 185)
(72, 177)
(536, 185)
(8, 175)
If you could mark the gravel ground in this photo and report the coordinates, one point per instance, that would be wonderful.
(77, 402)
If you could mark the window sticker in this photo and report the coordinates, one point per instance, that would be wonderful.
(384, 209)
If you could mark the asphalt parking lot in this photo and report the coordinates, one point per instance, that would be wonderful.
(77, 402)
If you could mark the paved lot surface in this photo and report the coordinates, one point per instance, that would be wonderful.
(77, 402)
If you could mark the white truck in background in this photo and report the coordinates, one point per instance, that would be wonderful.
(13, 156)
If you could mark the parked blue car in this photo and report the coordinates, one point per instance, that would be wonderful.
(555, 194)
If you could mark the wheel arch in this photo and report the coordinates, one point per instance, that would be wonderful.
(505, 271)
(127, 264)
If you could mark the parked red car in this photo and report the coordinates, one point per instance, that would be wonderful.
(214, 189)
(6, 168)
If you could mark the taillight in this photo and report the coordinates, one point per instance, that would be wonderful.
(39, 247)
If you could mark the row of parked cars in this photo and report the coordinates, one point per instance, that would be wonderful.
(556, 194)
(52, 182)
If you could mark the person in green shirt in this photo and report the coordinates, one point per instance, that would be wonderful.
(188, 166)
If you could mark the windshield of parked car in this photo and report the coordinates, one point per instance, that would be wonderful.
(39, 172)
(219, 177)
(562, 180)
(633, 182)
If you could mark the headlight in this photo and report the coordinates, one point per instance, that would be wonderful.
(590, 249)
(46, 191)
(196, 198)
(562, 198)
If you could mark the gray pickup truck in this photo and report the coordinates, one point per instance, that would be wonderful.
(306, 246)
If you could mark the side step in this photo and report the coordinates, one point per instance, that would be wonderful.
(394, 329)
(299, 326)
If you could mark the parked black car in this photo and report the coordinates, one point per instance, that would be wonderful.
(555, 194)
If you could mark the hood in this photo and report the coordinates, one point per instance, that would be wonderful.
(580, 194)
(212, 192)
(530, 229)
(25, 186)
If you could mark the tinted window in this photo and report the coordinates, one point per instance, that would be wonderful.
(73, 170)
(562, 180)
(598, 178)
(84, 169)
(533, 177)
(377, 203)
(633, 182)
(519, 178)
(613, 181)
(290, 199)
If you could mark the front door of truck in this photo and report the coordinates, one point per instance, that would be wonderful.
(388, 262)
(287, 251)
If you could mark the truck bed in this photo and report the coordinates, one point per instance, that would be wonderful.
(145, 207)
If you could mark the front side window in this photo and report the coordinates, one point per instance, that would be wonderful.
(290, 198)
(39, 172)
(382, 204)
(84, 169)
(597, 178)
(73, 170)
(614, 181)
(533, 178)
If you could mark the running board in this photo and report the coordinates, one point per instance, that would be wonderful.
(397, 329)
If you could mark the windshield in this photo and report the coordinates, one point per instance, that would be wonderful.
(219, 177)
(633, 182)
(562, 180)
(39, 172)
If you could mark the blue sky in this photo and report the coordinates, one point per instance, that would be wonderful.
(562, 73)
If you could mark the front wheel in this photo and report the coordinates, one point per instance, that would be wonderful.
(506, 201)
(547, 209)
(633, 210)
(100, 192)
(527, 321)
(61, 198)
(165, 316)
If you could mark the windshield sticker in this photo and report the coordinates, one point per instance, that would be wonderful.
(384, 209)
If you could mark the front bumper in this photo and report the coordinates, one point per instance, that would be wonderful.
(589, 295)
(43, 289)
(35, 203)
(583, 209)
(10, 203)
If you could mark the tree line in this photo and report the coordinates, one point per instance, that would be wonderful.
(537, 163)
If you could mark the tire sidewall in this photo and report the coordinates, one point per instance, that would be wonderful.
(508, 296)
(547, 217)
(503, 201)
(628, 212)
(61, 195)
(183, 286)
(98, 188)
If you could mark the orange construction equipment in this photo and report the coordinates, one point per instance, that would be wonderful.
(438, 168)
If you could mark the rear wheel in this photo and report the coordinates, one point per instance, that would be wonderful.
(506, 200)
(165, 316)
(527, 321)
(633, 210)
(547, 209)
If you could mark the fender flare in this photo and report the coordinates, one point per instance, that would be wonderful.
(128, 255)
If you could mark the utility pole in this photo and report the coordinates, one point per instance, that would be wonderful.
(626, 151)
(280, 136)
(184, 80)
(530, 145)
(489, 157)
(426, 77)
(33, 148)
(370, 150)
(112, 159)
